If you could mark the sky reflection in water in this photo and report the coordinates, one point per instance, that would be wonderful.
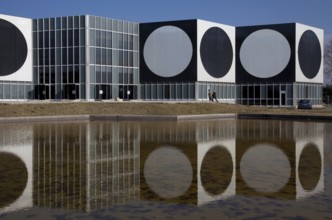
(227, 168)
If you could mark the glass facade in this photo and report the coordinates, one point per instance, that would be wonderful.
(278, 94)
(15, 91)
(85, 57)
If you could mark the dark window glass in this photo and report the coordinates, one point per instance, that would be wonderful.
(40, 25)
(47, 57)
(35, 57)
(52, 39)
(35, 40)
(76, 37)
(70, 22)
(52, 24)
(64, 56)
(77, 74)
(64, 38)
(120, 58)
(103, 23)
(82, 53)
(98, 56)
(41, 39)
(47, 75)
(64, 23)
(52, 74)
(82, 37)
(70, 55)
(82, 21)
(41, 76)
(125, 41)
(41, 57)
(58, 56)
(104, 75)
(64, 74)
(58, 23)
(58, 38)
(35, 25)
(76, 22)
(71, 74)
(77, 55)
(47, 39)
(46, 24)
(70, 38)
(52, 56)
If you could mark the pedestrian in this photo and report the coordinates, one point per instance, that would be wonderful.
(210, 96)
(214, 96)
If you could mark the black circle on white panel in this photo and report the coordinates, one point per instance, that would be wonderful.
(167, 51)
(216, 170)
(13, 48)
(216, 52)
(310, 54)
(310, 167)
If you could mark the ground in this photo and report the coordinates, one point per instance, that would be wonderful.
(46, 108)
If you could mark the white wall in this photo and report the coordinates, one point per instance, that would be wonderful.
(25, 26)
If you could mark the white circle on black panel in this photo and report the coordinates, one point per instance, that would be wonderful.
(265, 53)
(168, 172)
(167, 51)
(13, 48)
(265, 168)
(216, 52)
(310, 54)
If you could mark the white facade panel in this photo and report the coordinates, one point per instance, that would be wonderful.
(300, 75)
(24, 25)
(202, 73)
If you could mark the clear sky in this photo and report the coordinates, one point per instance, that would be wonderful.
(317, 13)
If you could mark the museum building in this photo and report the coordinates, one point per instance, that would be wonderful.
(95, 58)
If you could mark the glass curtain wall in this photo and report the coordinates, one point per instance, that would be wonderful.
(15, 91)
(113, 48)
(278, 94)
(187, 91)
(59, 58)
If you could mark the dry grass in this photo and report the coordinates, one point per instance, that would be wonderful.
(142, 108)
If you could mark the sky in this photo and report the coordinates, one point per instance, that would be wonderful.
(317, 13)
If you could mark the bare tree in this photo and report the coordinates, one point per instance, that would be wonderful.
(328, 61)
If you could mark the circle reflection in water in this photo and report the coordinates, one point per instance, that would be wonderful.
(168, 172)
(310, 167)
(13, 178)
(265, 168)
(216, 170)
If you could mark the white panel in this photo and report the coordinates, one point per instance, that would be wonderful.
(203, 196)
(167, 51)
(202, 75)
(299, 76)
(18, 141)
(301, 192)
(25, 26)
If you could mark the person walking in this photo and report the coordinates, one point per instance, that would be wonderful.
(210, 96)
(214, 96)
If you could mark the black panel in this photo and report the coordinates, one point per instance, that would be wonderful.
(13, 48)
(216, 52)
(287, 75)
(310, 54)
(187, 75)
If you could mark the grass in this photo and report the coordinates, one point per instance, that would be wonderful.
(22, 109)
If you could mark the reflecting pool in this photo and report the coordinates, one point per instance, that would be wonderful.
(205, 169)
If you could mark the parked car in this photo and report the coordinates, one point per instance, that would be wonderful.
(304, 104)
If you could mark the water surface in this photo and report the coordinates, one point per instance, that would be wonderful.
(238, 169)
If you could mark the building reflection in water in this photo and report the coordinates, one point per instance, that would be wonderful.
(92, 165)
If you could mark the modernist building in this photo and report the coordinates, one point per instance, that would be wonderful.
(95, 58)
(279, 64)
